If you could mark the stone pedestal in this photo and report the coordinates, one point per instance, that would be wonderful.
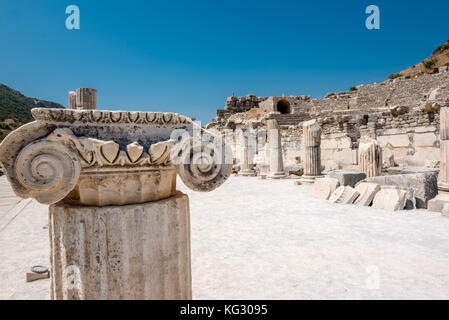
(118, 227)
(121, 252)
(245, 163)
(312, 151)
(274, 140)
(370, 157)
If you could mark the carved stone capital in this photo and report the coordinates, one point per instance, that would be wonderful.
(91, 157)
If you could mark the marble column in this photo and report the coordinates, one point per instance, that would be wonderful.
(312, 151)
(246, 161)
(131, 252)
(274, 141)
(441, 201)
(370, 157)
(118, 227)
(86, 99)
(72, 100)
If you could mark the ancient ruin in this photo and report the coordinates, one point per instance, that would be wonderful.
(246, 163)
(402, 115)
(119, 229)
(441, 202)
(275, 147)
(370, 157)
(312, 151)
(379, 139)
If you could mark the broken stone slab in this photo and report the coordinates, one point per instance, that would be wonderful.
(367, 193)
(410, 169)
(347, 178)
(390, 198)
(424, 184)
(323, 188)
(344, 195)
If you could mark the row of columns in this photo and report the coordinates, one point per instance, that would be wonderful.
(369, 153)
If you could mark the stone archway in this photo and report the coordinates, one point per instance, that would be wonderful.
(283, 106)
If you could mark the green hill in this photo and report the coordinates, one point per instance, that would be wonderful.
(15, 109)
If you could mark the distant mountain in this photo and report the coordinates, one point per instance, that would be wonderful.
(15, 109)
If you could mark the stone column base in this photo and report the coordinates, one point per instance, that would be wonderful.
(276, 175)
(126, 252)
(440, 203)
(310, 179)
(247, 173)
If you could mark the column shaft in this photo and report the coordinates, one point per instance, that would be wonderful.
(121, 252)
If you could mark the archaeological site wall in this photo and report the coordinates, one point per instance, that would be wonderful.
(401, 114)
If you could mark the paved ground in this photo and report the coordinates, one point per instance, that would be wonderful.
(263, 239)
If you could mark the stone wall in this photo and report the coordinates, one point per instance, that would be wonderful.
(400, 113)
(366, 99)
(413, 139)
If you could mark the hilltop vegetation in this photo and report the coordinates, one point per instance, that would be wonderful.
(15, 109)
(439, 58)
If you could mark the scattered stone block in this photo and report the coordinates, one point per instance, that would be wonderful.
(390, 198)
(367, 193)
(37, 273)
(344, 195)
(294, 169)
(323, 188)
(424, 184)
(347, 178)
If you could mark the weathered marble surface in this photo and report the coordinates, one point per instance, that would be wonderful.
(102, 157)
(390, 198)
(344, 195)
(274, 142)
(312, 151)
(323, 188)
(370, 157)
(121, 252)
(367, 193)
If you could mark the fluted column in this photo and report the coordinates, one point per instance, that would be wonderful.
(86, 99)
(443, 177)
(441, 202)
(72, 100)
(245, 163)
(274, 140)
(370, 157)
(121, 252)
(312, 151)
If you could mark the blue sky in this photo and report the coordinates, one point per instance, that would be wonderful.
(189, 56)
